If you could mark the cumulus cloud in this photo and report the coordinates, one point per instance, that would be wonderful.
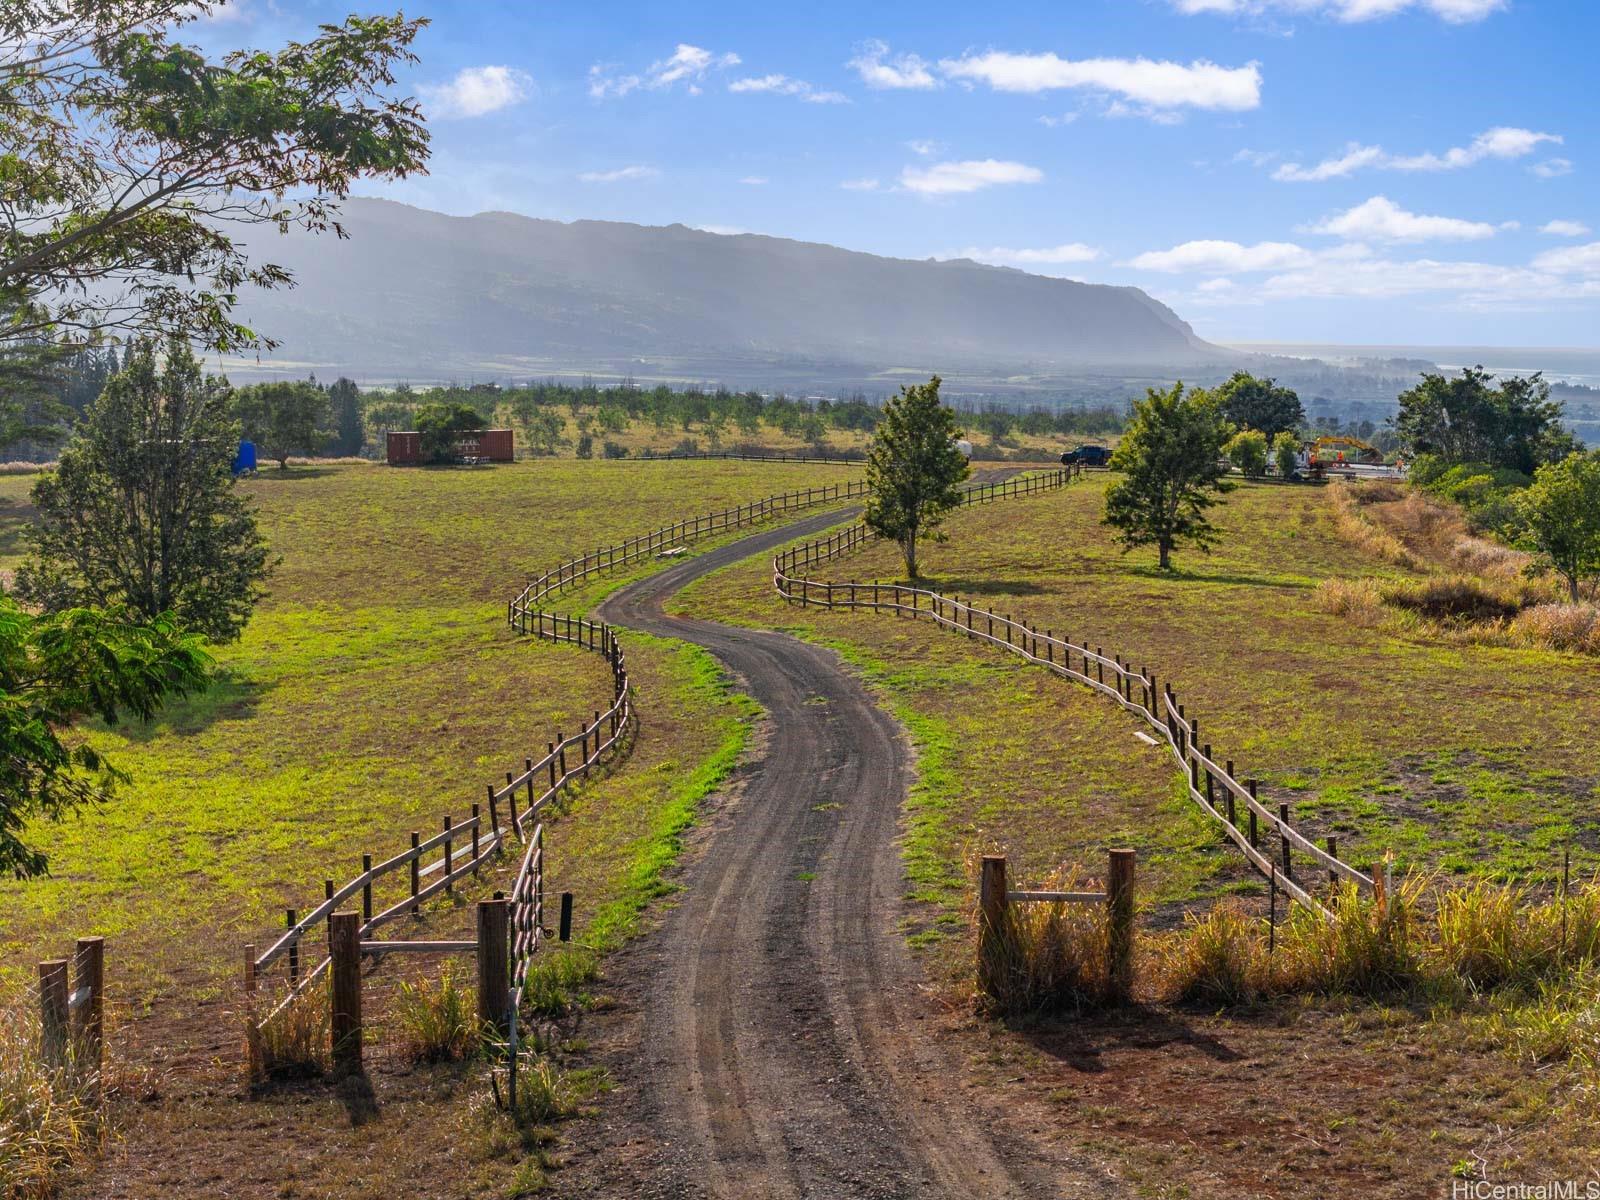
(1158, 85)
(1563, 228)
(686, 63)
(1552, 168)
(1067, 252)
(476, 92)
(782, 85)
(1501, 142)
(1580, 260)
(618, 175)
(948, 178)
(1220, 257)
(879, 69)
(1382, 220)
(1457, 12)
(924, 146)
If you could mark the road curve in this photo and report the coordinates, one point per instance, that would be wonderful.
(782, 1044)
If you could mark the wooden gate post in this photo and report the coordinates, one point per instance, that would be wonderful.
(344, 991)
(88, 1023)
(53, 1010)
(1119, 917)
(494, 972)
(992, 902)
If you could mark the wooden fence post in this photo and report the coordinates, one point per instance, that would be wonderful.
(416, 871)
(1233, 818)
(494, 810)
(1333, 852)
(476, 822)
(565, 932)
(366, 888)
(494, 973)
(53, 1010)
(992, 902)
(1283, 824)
(1119, 918)
(344, 992)
(449, 865)
(294, 948)
(1250, 786)
(88, 1023)
(1211, 780)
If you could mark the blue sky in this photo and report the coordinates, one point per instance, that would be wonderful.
(1361, 171)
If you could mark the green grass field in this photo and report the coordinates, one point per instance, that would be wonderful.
(374, 691)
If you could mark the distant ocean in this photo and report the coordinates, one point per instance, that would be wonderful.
(1559, 364)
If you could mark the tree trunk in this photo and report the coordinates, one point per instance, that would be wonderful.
(908, 547)
(1572, 586)
(1166, 556)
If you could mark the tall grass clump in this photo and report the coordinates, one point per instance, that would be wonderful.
(50, 1116)
(558, 979)
(293, 1044)
(1216, 959)
(1557, 626)
(1357, 600)
(438, 1019)
(1048, 957)
(1365, 948)
(1356, 528)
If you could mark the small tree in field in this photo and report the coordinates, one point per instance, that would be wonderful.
(142, 512)
(1247, 450)
(1561, 515)
(914, 469)
(440, 426)
(284, 417)
(1171, 456)
(1286, 453)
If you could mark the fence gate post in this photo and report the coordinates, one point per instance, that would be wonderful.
(991, 922)
(53, 1010)
(1119, 917)
(494, 980)
(88, 1023)
(344, 992)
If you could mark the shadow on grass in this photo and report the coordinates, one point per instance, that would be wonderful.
(1081, 1041)
(1179, 575)
(230, 696)
(359, 1100)
(964, 587)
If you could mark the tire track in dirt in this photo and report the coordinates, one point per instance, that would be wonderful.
(781, 1043)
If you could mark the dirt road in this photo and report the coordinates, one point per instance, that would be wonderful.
(780, 1042)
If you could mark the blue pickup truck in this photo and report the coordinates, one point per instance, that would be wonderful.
(1089, 456)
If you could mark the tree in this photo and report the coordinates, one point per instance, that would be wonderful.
(441, 427)
(1465, 419)
(56, 669)
(142, 512)
(1171, 456)
(1560, 514)
(283, 418)
(1247, 450)
(1260, 404)
(349, 430)
(131, 160)
(391, 414)
(914, 469)
(1286, 454)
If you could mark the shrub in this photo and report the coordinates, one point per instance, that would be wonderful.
(438, 1019)
(1286, 454)
(1247, 450)
(613, 450)
(1361, 600)
(585, 445)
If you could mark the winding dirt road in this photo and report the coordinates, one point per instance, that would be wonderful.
(781, 1043)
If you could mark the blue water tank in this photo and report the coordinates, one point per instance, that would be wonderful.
(245, 460)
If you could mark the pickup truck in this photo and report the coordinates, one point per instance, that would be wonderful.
(1089, 456)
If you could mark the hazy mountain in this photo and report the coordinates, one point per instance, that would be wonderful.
(420, 294)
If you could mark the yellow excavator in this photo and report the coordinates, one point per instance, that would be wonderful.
(1335, 450)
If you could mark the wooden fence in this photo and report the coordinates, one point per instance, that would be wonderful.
(72, 1005)
(1215, 787)
(842, 459)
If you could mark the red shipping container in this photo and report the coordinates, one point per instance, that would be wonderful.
(404, 448)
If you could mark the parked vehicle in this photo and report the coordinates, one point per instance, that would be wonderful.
(1089, 456)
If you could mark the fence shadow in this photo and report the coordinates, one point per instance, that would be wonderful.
(1179, 575)
(359, 1100)
(964, 586)
(1081, 1041)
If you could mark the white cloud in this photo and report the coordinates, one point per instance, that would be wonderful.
(1213, 256)
(1501, 142)
(947, 178)
(1581, 260)
(1256, 158)
(687, 63)
(860, 185)
(755, 181)
(619, 175)
(1066, 118)
(924, 146)
(879, 70)
(1157, 85)
(782, 85)
(1355, 157)
(1564, 228)
(1067, 252)
(1381, 219)
(476, 92)
(1457, 12)
(1552, 168)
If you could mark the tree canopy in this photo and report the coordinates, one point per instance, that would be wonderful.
(1466, 419)
(130, 160)
(1560, 516)
(54, 670)
(1260, 404)
(1171, 459)
(284, 417)
(914, 468)
(142, 513)
(441, 426)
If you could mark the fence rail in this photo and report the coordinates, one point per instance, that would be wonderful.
(1215, 788)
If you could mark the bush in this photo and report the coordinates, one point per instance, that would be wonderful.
(1286, 454)
(613, 450)
(438, 1020)
(586, 445)
(1247, 450)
